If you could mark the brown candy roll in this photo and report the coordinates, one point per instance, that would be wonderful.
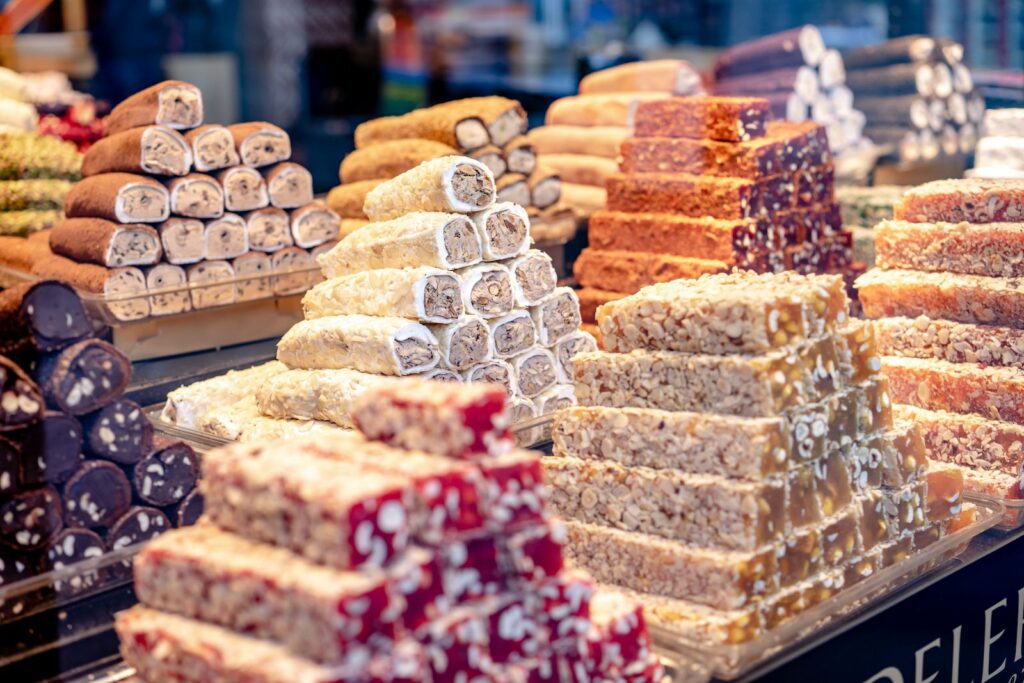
(183, 240)
(21, 400)
(96, 496)
(167, 475)
(515, 188)
(269, 229)
(99, 241)
(207, 294)
(466, 124)
(260, 143)
(45, 315)
(347, 200)
(545, 187)
(164, 276)
(10, 469)
(137, 525)
(493, 157)
(175, 104)
(191, 509)
(503, 118)
(314, 224)
(20, 253)
(111, 282)
(30, 519)
(520, 155)
(51, 450)
(196, 196)
(226, 237)
(68, 548)
(119, 431)
(390, 158)
(292, 258)
(252, 267)
(119, 197)
(289, 185)
(213, 148)
(154, 150)
(83, 377)
(244, 189)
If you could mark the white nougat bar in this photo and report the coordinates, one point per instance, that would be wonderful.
(314, 394)
(426, 294)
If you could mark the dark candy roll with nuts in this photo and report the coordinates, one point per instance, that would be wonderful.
(191, 509)
(84, 377)
(46, 316)
(119, 431)
(167, 475)
(51, 449)
(21, 401)
(135, 526)
(10, 467)
(70, 547)
(30, 519)
(14, 567)
(96, 495)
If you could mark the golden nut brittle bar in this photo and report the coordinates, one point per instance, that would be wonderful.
(692, 195)
(994, 249)
(752, 159)
(974, 200)
(858, 350)
(730, 119)
(700, 622)
(924, 337)
(629, 271)
(904, 456)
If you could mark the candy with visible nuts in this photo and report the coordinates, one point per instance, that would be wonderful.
(28, 520)
(175, 104)
(83, 377)
(96, 495)
(99, 241)
(425, 294)
(450, 183)
(119, 431)
(260, 143)
(154, 150)
(213, 148)
(119, 197)
(487, 290)
(196, 196)
(183, 240)
(464, 343)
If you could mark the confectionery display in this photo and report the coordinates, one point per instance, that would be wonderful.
(708, 184)
(418, 549)
(862, 209)
(36, 173)
(1000, 150)
(944, 300)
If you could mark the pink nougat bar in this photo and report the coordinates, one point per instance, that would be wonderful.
(325, 510)
(452, 419)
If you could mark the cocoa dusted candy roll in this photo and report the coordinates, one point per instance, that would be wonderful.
(175, 104)
(84, 377)
(119, 197)
(463, 343)
(504, 231)
(167, 475)
(153, 149)
(269, 229)
(514, 188)
(99, 241)
(45, 315)
(96, 495)
(115, 284)
(68, 548)
(450, 183)
(213, 148)
(492, 157)
(183, 240)
(226, 237)
(521, 155)
(314, 224)
(545, 187)
(252, 267)
(51, 450)
(289, 185)
(165, 276)
(21, 401)
(119, 431)
(390, 158)
(196, 196)
(293, 259)
(260, 143)
(244, 189)
(209, 294)
(30, 519)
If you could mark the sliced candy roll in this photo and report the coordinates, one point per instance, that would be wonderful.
(289, 185)
(183, 240)
(154, 150)
(226, 237)
(119, 197)
(99, 241)
(244, 189)
(165, 276)
(196, 195)
(260, 143)
(175, 104)
(213, 148)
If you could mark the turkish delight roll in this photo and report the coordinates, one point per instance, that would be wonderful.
(167, 474)
(269, 229)
(154, 150)
(313, 224)
(204, 276)
(566, 349)
(975, 200)
(492, 157)
(253, 267)
(95, 240)
(441, 375)
(260, 143)
(83, 377)
(425, 294)
(213, 148)
(655, 75)
(494, 371)
(44, 316)
(520, 156)
(244, 189)
(28, 520)
(503, 118)
(556, 316)
(513, 188)
(449, 183)
(388, 346)
(486, 290)
(545, 186)
(185, 405)
(730, 119)
(313, 394)
(183, 240)
(504, 231)
(175, 104)
(292, 259)
(603, 109)
(599, 141)
(226, 237)
(97, 495)
(582, 169)
(534, 371)
(196, 196)
(289, 185)
(111, 282)
(119, 197)
(463, 343)
(442, 240)
(389, 159)
(21, 399)
(347, 200)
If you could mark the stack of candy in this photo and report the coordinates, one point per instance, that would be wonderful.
(36, 173)
(419, 550)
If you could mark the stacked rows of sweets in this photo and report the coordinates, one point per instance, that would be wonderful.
(947, 299)
(488, 129)
(582, 133)
(862, 208)
(36, 173)
(709, 184)
(442, 283)
(1000, 151)
(147, 216)
(733, 458)
(80, 470)
(419, 550)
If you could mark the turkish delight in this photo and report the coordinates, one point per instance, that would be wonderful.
(487, 290)
(213, 148)
(503, 229)
(119, 197)
(324, 394)
(424, 293)
(974, 200)
(449, 183)
(175, 104)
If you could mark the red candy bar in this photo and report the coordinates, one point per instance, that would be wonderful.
(417, 589)
(618, 640)
(513, 491)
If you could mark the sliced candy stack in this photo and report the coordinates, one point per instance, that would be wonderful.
(167, 201)
(36, 173)
(417, 550)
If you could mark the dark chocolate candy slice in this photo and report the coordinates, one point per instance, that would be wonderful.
(15, 566)
(84, 377)
(10, 467)
(96, 495)
(51, 450)
(68, 548)
(46, 316)
(190, 509)
(137, 525)
(167, 475)
(119, 431)
(31, 518)
(21, 401)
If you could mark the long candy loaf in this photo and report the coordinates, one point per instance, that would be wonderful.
(990, 250)
(951, 341)
(260, 143)
(503, 118)
(289, 185)
(226, 237)
(98, 280)
(314, 394)
(656, 75)
(185, 405)
(183, 240)
(504, 231)
(244, 189)
(119, 197)
(975, 200)
(94, 240)
(599, 141)
(614, 109)
(685, 194)
(174, 104)
(347, 200)
(154, 149)
(389, 159)
(425, 294)
(449, 183)
(972, 299)
(730, 119)
(463, 124)
(487, 290)
(463, 343)
(441, 240)
(581, 168)
(314, 224)
(213, 148)
(45, 316)
(196, 196)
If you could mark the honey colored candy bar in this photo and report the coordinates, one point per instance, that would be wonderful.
(691, 195)
(629, 271)
(118, 197)
(875, 527)
(730, 119)
(314, 224)
(859, 352)
(268, 229)
(591, 299)
(960, 298)
(905, 508)
(556, 316)
(325, 395)
(244, 189)
(990, 250)
(448, 183)
(904, 456)
(486, 290)
(989, 392)
(802, 498)
(697, 509)
(110, 282)
(874, 404)
(599, 141)
(699, 622)
(991, 483)
(425, 294)
(183, 240)
(955, 342)
(504, 231)
(605, 109)
(513, 333)
(95, 240)
(974, 200)
(840, 537)
(153, 149)
(213, 148)
(196, 196)
(226, 237)
(752, 159)
(833, 484)
(260, 143)
(390, 158)
(289, 185)
(944, 496)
